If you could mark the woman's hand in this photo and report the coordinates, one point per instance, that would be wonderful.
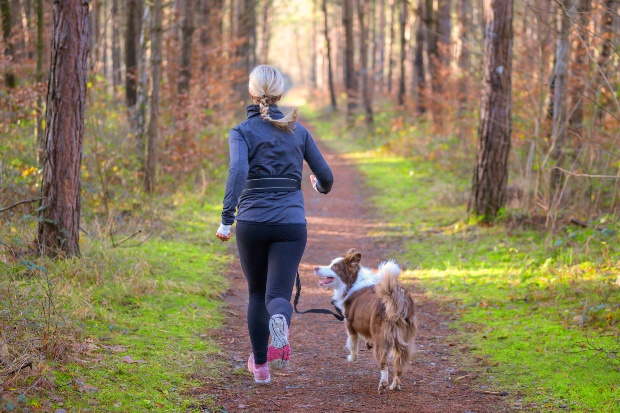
(314, 181)
(223, 232)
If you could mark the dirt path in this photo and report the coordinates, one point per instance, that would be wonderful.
(319, 378)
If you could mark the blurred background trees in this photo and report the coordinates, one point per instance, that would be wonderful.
(162, 95)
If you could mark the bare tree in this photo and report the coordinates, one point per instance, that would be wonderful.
(187, 33)
(313, 47)
(583, 8)
(59, 216)
(134, 23)
(7, 26)
(349, 72)
(419, 74)
(403, 52)
(330, 75)
(365, 79)
(116, 46)
(391, 49)
(380, 47)
(40, 128)
(494, 130)
(153, 131)
(560, 88)
(463, 59)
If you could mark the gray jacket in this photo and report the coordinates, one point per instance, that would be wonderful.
(257, 148)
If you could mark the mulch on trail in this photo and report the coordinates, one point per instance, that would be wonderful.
(319, 378)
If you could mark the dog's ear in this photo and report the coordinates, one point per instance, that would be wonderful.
(353, 257)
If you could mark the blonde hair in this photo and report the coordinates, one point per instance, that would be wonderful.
(267, 85)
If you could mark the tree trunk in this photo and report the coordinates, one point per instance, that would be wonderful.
(116, 47)
(313, 47)
(9, 75)
(365, 79)
(40, 129)
(152, 132)
(444, 27)
(330, 75)
(432, 50)
(581, 69)
(491, 170)
(391, 49)
(463, 60)
(560, 85)
(142, 91)
(59, 216)
(349, 72)
(380, 47)
(131, 45)
(187, 33)
(403, 42)
(266, 31)
(608, 32)
(418, 62)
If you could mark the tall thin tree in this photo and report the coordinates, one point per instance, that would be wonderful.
(403, 51)
(7, 25)
(187, 33)
(330, 73)
(494, 129)
(365, 79)
(419, 73)
(153, 127)
(349, 71)
(116, 46)
(40, 130)
(132, 35)
(59, 216)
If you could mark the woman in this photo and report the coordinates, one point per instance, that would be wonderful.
(264, 182)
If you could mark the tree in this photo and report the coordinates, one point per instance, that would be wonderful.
(403, 52)
(560, 86)
(132, 34)
(349, 73)
(116, 47)
(494, 129)
(330, 75)
(152, 130)
(418, 61)
(7, 25)
(391, 49)
(39, 68)
(463, 60)
(581, 66)
(59, 216)
(380, 46)
(365, 79)
(187, 32)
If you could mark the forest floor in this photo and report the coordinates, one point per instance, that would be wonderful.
(319, 378)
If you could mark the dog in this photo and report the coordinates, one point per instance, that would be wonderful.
(376, 308)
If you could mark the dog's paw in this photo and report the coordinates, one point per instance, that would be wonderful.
(382, 386)
(395, 386)
(351, 358)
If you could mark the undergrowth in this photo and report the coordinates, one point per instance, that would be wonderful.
(539, 310)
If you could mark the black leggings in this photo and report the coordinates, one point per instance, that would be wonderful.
(270, 256)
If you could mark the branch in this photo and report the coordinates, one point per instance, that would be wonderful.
(587, 175)
(27, 201)
(114, 245)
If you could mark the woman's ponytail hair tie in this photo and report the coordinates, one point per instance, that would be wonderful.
(267, 84)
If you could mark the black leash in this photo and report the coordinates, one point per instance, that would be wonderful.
(338, 314)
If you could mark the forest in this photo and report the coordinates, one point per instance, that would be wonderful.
(480, 138)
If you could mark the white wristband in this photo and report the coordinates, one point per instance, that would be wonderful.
(315, 186)
(224, 229)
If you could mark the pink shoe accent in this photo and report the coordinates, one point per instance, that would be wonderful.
(279, 350)
(260, 371)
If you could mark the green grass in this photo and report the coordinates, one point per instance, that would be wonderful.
(532, 306)
(155, 303)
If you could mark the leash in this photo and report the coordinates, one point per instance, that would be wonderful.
(338, 314)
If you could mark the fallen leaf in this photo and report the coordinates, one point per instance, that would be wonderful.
(130, 360)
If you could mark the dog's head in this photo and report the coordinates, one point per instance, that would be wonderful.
(342, 272)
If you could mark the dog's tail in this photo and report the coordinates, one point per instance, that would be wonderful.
(394, 297)
(399, 306)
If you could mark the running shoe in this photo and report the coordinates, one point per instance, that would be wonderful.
(279, 351)
(260, 371)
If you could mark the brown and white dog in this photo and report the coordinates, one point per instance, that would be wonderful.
(376, 308)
